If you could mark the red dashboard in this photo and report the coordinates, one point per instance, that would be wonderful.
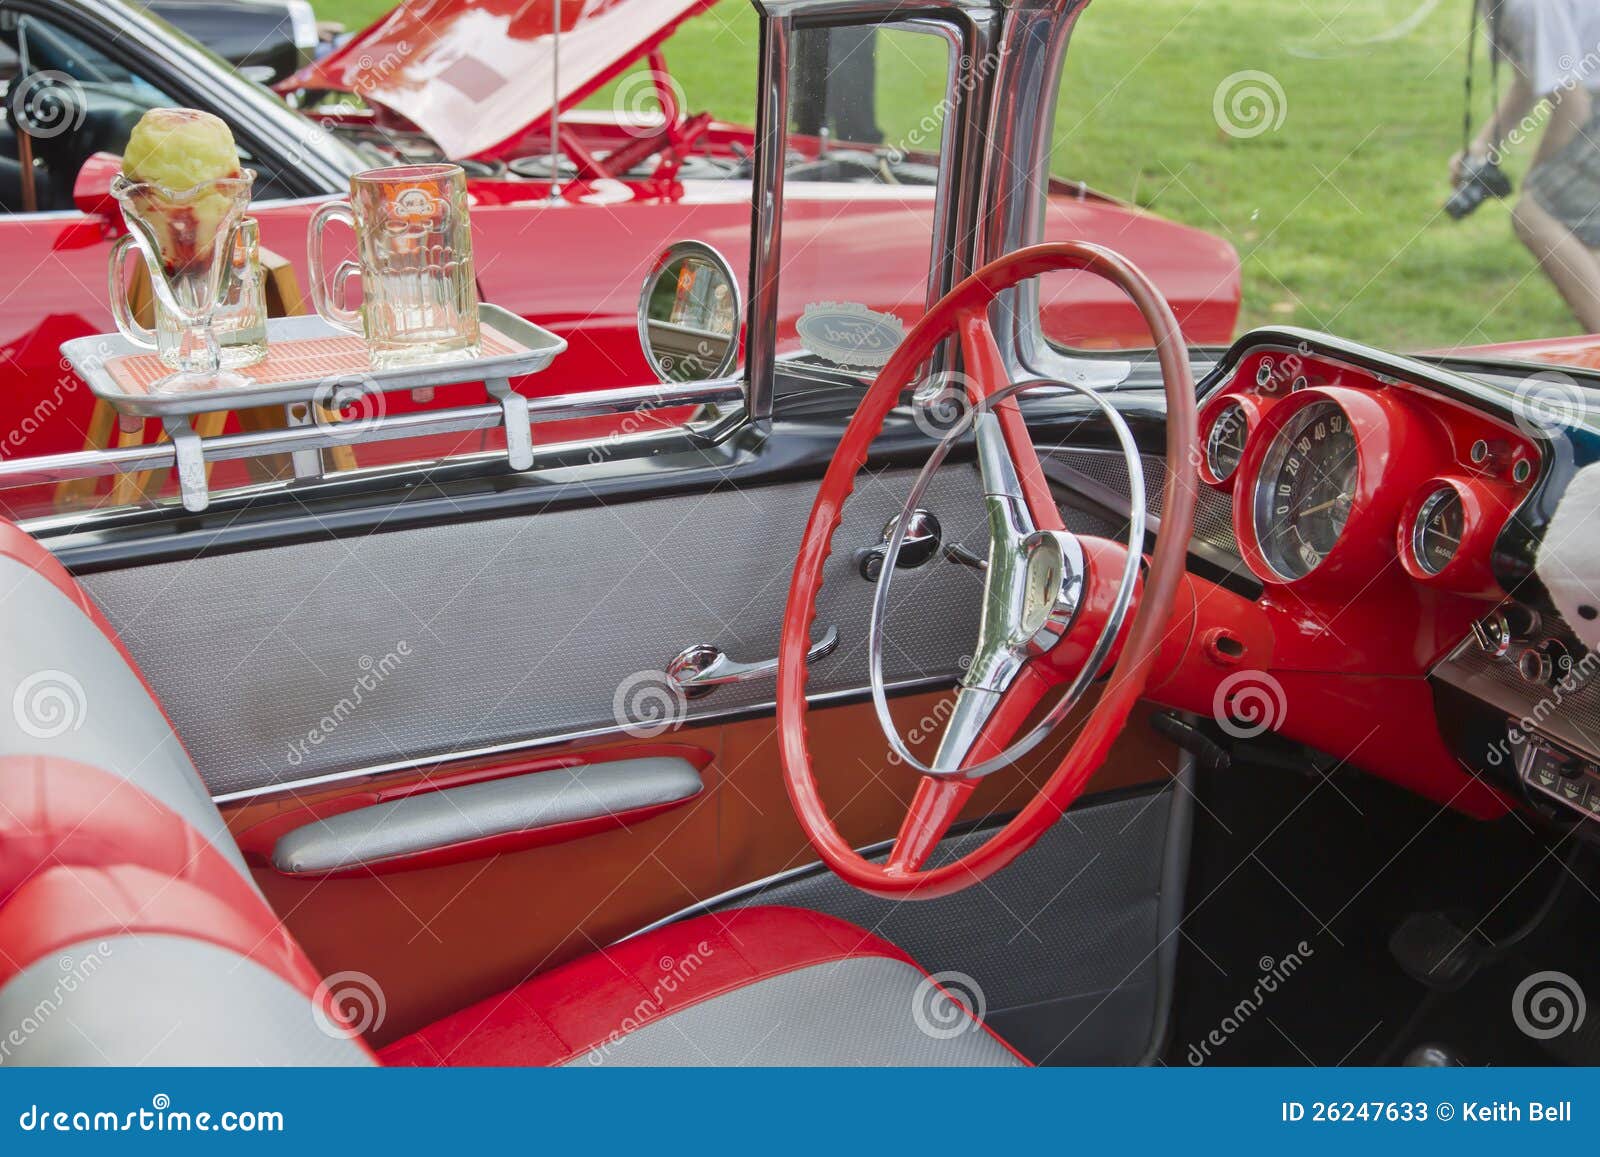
(1368, 507)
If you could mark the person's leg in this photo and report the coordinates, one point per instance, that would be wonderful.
(1567, 261)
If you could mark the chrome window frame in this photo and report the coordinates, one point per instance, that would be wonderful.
(972, 28)
(1043, 35)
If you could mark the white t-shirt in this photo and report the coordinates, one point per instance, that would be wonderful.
(1553, 43)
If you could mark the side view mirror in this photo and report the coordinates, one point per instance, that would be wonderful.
(91, 189)
(689, 314)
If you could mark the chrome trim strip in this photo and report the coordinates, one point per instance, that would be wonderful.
(710, 904)
(51, 468)
(274, 790)
(772, 126)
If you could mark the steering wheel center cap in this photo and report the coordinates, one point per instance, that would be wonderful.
(1050, 588)
(1041, 581)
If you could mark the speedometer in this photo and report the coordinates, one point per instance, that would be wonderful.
(1305, 489)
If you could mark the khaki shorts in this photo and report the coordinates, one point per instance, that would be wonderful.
(1567, 186)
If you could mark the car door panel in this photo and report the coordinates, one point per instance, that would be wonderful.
(327, 656)
(281, 664)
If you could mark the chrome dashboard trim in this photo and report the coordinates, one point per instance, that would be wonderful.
(1570, 718)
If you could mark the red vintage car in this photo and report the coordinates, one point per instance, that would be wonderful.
(1182, 707)
(474, 83)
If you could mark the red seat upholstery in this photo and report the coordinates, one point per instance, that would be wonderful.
(582, 1010)
(112, 853)
(113, 860)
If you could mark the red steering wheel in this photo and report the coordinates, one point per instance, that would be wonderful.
(1051, 599)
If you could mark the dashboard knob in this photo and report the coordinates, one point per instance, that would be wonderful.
(1547, 664)
(1535, 666)
(1506, 625)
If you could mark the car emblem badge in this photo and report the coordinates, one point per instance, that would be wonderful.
(849, 333)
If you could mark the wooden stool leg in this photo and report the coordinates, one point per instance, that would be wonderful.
(273, 466)
(127, 487)
(336, 457)
(79, 492)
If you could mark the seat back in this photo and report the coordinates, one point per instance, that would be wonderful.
(131, 931)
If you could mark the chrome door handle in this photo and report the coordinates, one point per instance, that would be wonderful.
(703, 667)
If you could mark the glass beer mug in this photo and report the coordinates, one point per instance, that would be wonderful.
(419, 298)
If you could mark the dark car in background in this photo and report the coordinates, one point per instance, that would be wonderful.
(265, 39)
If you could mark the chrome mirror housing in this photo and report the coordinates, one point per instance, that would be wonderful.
(689, 314)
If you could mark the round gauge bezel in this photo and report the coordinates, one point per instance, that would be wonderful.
(1395, 450)
(1419, 525)
(1273, 461)
(1485, 506)
(1210, 414)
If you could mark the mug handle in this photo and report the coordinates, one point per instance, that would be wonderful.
(330, 305)
(121, 311)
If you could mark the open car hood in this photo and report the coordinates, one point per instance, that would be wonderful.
(476, 75)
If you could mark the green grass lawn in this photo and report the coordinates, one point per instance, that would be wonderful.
(1335, 213)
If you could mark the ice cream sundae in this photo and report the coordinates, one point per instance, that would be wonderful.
(187, 183)
(183, 194)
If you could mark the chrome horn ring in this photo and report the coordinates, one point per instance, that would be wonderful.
(1028, 635)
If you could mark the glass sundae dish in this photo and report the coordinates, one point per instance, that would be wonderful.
(183, 195)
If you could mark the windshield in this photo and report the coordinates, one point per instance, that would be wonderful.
(1325, 148)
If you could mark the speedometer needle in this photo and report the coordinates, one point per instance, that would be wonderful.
(1322, 505)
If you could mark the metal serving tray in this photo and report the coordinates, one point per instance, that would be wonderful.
(317, 374)
(95, 358)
